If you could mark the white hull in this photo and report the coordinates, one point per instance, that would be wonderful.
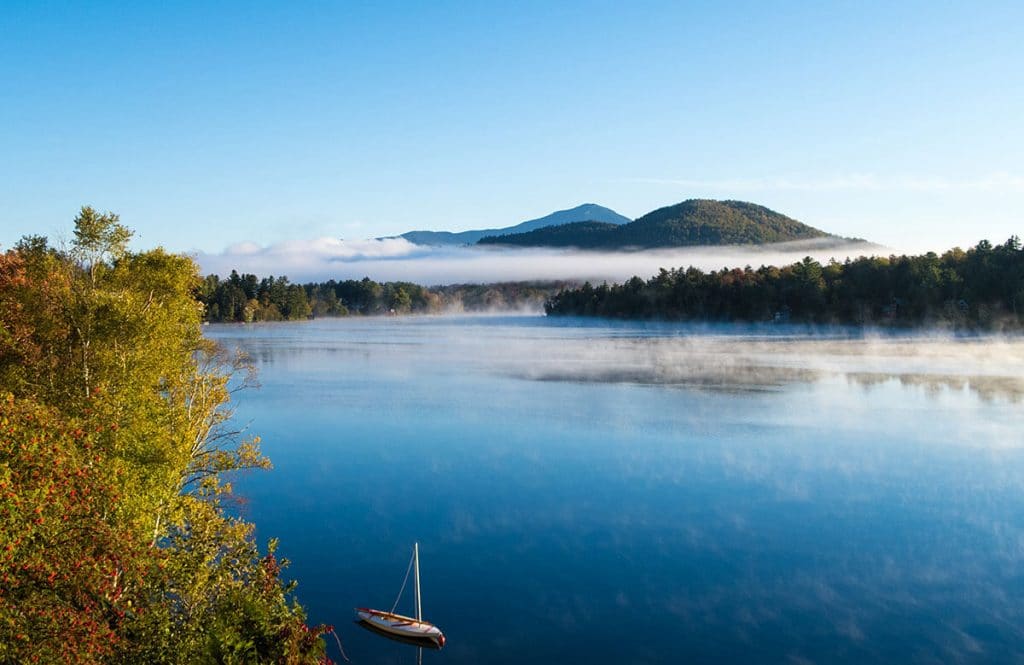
(402, 626)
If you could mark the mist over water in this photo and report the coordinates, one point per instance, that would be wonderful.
(395, 259)
(710, 360)
(606, 492)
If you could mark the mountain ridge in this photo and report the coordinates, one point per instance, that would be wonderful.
(580, 213)
(688, 223)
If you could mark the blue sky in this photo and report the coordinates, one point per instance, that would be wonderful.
(205, 126)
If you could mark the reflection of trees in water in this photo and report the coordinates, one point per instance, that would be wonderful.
(267, 353)
(705, 376)
(987, 388)
(739, 377)
(711, 359)
(986, 368)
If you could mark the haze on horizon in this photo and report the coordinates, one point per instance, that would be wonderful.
(396, 259)
(207, 127)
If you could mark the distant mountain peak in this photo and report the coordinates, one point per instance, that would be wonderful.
(581, 213)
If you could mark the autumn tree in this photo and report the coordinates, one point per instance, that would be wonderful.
(99, 339)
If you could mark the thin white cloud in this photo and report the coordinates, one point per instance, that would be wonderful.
(324, 249)
(993, 182)
(393, 259)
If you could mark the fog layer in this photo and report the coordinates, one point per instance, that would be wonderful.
(396, 259)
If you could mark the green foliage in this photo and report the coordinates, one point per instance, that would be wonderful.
(246, 298)
(226, 300)
(67, 575)
(981, 288)
(99, 237)
(575, 234)
(115, 431)
(692, 222)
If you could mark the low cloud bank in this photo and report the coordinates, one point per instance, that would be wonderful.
(392, 259)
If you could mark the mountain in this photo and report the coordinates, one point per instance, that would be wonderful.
(692, 222)
(576, 234)
(585, 212)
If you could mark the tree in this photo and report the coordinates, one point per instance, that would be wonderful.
(115, 394)
(67, 575)
(980, 288)
(98, 238)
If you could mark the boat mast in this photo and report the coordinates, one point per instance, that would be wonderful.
(416, 571)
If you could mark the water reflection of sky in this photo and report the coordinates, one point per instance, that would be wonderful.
(597, 492)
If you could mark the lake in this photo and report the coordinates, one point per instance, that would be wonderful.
(607, 492)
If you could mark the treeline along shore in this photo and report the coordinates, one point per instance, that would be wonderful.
(249, 298)
(981, 288)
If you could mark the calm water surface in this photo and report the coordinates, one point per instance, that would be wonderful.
(625, 493)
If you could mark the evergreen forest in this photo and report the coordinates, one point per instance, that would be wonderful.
(981, 288)
(248, 298)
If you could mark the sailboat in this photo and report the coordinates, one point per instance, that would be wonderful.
(405, 628)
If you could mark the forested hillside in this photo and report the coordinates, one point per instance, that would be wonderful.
(980, 288)
(115, 435)
(692, 222)
(578, 234)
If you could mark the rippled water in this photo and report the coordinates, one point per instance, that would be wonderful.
(625, 493)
